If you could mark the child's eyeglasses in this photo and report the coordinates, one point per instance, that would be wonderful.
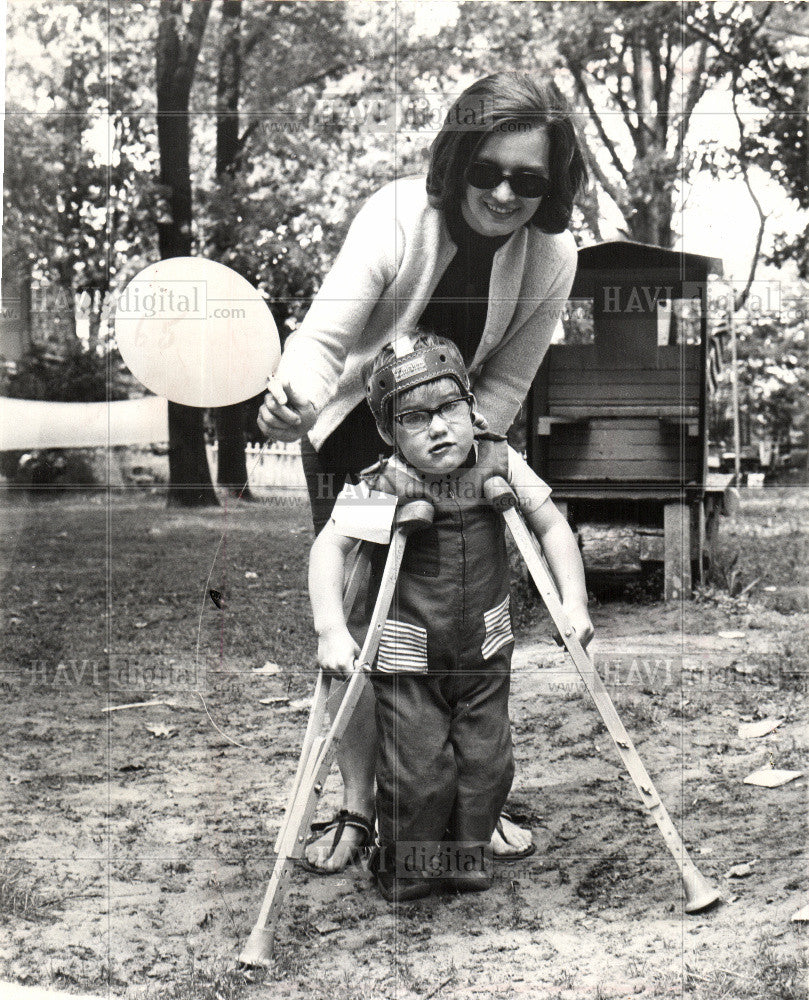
(524, 183)
(420, 420)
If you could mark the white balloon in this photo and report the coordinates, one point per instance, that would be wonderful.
(196, 332)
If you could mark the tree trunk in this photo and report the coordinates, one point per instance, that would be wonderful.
(232, 468)
(178, 47)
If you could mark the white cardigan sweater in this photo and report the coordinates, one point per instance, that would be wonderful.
(395, 252)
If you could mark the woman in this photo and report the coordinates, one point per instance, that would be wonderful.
(480, 254)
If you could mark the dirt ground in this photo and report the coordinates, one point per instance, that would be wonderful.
(135, 845)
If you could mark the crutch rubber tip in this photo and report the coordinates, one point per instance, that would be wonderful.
(700, 895)
(257, 952)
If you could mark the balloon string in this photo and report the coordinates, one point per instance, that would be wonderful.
(220, 731)
(235, 743)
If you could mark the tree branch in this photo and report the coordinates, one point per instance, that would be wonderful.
(639, 93)
(667, 83)
(635, 128)
(180, 43)
(195, 29)
(741, 298)
(603, 180)
(696, 88)
(578, 77)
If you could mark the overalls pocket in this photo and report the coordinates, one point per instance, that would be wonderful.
(498, 628)
(402, 648)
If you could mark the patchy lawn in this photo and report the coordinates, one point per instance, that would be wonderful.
(135, 845)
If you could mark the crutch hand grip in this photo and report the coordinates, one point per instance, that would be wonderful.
(414, 514)
(499, 494)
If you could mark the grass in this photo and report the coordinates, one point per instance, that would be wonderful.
(211, 981)
(126, 583)
(21, 896)
(771, 975)
(125, 579)
(92, 580)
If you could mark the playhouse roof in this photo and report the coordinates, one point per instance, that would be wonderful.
(617, 255)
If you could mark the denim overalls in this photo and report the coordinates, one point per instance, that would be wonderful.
(441, 678)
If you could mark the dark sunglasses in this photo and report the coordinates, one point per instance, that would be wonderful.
(524, 183)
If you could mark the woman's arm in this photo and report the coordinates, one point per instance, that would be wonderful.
(315, 354)
(507, 374)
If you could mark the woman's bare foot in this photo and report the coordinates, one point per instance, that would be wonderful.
(510, 840)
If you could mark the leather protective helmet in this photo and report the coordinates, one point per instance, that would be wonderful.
(412, 364)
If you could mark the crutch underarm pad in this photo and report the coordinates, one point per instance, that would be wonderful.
(499, 494)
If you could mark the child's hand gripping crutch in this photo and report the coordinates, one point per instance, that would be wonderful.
(355, 577)
(318, 752)
(699, 894)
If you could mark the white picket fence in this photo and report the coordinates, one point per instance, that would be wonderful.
(269, 466)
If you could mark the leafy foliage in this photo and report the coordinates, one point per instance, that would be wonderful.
(76, 375)
(773, 380)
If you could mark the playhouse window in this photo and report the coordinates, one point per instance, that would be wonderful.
(577, 323)
(679, 321)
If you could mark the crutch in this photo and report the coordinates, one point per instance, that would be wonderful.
(699, 893)
(359, 565)
(319, 752)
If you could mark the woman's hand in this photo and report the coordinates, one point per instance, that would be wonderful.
(284, 415)
(336, 651)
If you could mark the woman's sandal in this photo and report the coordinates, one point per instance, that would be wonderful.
(341, 820)
(513, 855)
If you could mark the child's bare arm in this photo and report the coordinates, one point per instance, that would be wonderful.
(336, 648)
(564, 559)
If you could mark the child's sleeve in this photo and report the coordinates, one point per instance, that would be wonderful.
(531, 491)
(364, 513)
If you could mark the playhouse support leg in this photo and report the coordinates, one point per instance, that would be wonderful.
(677, 551)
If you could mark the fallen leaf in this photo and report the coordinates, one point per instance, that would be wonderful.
(250, 575)
(274, 701)
(752, 730)
(741, 871)
(141, 624)
(327, 927)
(269, 669)
(771, 777)
(732, 635)
(800, 916)
(159, 731)
(771, 589)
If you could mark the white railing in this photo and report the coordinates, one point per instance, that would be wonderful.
(269, 466)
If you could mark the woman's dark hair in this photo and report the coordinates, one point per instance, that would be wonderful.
(503, 102)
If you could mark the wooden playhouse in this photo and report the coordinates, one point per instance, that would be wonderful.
(618, 412)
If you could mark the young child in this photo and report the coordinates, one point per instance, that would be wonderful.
(441, 677)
